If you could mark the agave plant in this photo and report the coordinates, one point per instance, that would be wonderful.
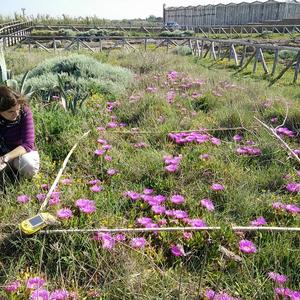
(12, 83)
(27, 91)
(70, 101)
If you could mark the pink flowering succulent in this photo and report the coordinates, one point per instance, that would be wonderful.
(196, 223)
(293, 187)
(132, 195)
(158, 209)
(96, 188)
(59, 295)
(35, 283)
(260, 221)
(217, 187)
(12, 286)
(85, 205)
(112, 172)
(93, 182)
(64, 213)
(108, 242)
(40, 294)
(99, 152)
(208, 204)
(138, 242)
(177, 199)
(248, 151)
(277, 278)
(23, 199)
(237, 138)
(205, 156)
(66, 181)
(177, 250)
(285, 132)
(144, 221)
(171, 96)
(247, 246)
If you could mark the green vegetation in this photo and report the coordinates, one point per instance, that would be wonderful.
(169, 93)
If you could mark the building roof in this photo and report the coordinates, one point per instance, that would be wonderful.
(230, 4)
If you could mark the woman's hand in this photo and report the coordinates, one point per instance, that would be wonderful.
(3, 162)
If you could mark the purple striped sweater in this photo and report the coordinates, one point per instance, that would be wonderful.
(21, 134)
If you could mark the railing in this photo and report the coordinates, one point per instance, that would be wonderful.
(14, 32)
(241, 52)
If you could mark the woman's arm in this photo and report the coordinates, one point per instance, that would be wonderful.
(18, 151)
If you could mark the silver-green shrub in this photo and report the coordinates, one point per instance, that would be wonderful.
(80, 71)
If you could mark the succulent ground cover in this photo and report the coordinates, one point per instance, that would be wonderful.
(179, 148)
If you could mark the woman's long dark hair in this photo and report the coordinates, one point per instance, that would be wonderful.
(10, 98)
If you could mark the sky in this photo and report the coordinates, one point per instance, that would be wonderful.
(107, 9)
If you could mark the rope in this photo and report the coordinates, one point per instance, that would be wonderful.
(45, 202)
(170, 229)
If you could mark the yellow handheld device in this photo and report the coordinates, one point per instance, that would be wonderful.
(36, 223)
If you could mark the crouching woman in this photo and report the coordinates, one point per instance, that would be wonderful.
(17, 145)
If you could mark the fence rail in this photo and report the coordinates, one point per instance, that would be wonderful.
(241, 52)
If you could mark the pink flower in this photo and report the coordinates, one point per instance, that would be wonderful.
(13, 286)
(292, 208)
(44, 186)
(197, 223)
(237, 138)
(66, 181)
(187, 235)
(41, 197)
(54, 201)
(93, 182)
(101, 128)
(283, 291)
(102, 141)
(120, 237)
(96, 188)
(277, 278)
(148, 191)
(171, 168)
(138, 242)
(99, 152)
(107, 157)
(293, 187)
(64, 213)
(278, 205)
(59, 295)
(112, 172)
(215, 141)
(40, 295)
(217, 187)
(205, 156)
(274, 120)
(35, 283)
(111, 125)
(247, 246)
(85, 205)
(180, 214)
(177, 199)
(260, 221)
(210, 294)
(132, 195)
(158, 209)
(177, 250)
(151, 89)
(144, 221)
(108, 242)
(170, 96)
(207, 203)
(23, 199)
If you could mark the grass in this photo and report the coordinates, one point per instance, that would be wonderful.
(78, 263)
